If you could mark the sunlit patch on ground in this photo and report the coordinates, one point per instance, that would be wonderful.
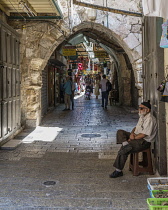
(47, 134)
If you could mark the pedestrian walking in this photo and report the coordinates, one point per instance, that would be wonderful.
(104, 92)
(96, 88)
(73, 93)
(67, 93)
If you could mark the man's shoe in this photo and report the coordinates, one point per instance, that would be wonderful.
(102, 106)
(116, 174)
(105, 107)
(65, 109)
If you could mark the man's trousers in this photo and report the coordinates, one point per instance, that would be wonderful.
(104, 99)
(67, 100)
(133, 146)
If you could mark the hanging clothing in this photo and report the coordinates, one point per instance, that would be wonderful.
(147, 6)
(165, 92)
(164, 38)
(164, 97)
(156, 8)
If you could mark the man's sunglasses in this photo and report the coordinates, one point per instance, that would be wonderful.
(141, 108)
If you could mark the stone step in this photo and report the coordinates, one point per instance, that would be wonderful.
(12, 144)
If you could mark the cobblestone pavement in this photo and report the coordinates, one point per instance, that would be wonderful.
(65, 163)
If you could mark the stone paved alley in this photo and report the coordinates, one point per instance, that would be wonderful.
(74, 149)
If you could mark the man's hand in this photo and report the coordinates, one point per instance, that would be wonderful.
(136, 137)
(130, 140)
(132, 136)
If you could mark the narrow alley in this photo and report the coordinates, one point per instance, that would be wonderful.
(57, 149)
(65, 163)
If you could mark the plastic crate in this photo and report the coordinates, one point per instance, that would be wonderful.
(159, 183)
(157, 203)
(150, 191)
(155, 192)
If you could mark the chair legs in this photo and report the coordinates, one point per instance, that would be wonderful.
(144, 166)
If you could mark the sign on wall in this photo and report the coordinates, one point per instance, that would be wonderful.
(100, 54)
(69, 51)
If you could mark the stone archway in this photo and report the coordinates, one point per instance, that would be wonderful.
(37, 45)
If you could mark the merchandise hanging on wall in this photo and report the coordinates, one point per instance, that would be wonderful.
(164, 37)
(163, 88)
(155, 8)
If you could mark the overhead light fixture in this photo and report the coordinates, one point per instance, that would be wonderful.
(26, 8)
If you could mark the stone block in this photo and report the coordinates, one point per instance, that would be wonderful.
(136, 28)
(31, 123)
(30, 92)
(137, 52)
(132, 41)
(47, 41)
(36, 63)
(31, 114)
(29, 52)
(12, 144)
(42, 52)
(133, 21)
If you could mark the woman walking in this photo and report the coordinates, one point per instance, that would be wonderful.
(96, 89)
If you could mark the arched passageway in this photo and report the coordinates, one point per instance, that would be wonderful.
(124, 74)
(34, 60)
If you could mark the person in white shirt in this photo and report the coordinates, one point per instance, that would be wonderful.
(103, 85)
(139, 139)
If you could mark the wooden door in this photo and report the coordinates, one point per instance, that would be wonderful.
(10, 81)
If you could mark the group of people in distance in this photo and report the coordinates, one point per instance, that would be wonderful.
(103, 85)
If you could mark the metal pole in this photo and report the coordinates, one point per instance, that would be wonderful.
(118, 11)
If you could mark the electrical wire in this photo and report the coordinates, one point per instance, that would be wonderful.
(17, 10)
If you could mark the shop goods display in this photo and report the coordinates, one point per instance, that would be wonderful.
(159, 183)
(158, 190)
(157, 203)
(159, 193)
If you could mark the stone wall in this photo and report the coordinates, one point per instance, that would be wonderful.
(124, 77)
(37, 45)
(40, 38)
(126, 30)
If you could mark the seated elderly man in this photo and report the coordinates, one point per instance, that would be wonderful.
(139, 139)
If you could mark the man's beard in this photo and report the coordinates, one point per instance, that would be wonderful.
(142, 114)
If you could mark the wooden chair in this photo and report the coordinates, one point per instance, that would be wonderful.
(144, 166)
(112, 97)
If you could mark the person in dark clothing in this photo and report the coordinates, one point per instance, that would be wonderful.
(104, 92)
(88, 91)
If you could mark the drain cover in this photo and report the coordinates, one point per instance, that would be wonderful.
(90, 135)
(49, 183)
